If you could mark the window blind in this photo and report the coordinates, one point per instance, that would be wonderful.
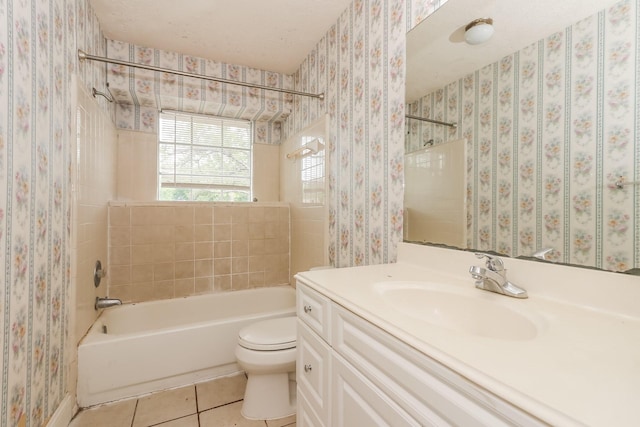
(204, 158)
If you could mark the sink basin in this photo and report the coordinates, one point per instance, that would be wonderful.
(447, 307)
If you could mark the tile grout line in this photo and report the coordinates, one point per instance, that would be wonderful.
(135, 410)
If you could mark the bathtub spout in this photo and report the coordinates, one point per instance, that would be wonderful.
(106, 302)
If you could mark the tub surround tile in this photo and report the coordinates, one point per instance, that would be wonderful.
(203, 233)
(164, 252)
(222, 283)
(142, 273)
(228, 415)
(119, 414)
(184, 215)
(195, 242)
(203, 215)
(221, 266)
(168, 405)
(239, 281)
(221, 232)
(222, 249)
(141, 254)
(239, 248)
(184, 288)
(184, 233)
(119, 215)
(240, 215)
(222, 215)
(220, 391)
(187, 251)
(204, 285)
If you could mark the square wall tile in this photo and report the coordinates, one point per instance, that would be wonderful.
(142, 254)
(203, 250)
(203, 215)
(221, 232)
(119, 215)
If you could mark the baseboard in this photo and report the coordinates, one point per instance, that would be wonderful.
(63, 414)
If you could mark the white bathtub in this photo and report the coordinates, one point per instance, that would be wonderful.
(157, 345)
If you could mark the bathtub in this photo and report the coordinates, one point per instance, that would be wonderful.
(138, 348)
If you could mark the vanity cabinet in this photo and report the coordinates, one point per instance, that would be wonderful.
(350, 372)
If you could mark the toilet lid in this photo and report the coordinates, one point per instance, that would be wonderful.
(272, 334)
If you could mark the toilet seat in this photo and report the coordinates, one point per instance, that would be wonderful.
(269, 335)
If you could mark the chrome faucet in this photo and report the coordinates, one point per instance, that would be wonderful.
(542, 253)
(494, 277)
(106, 302)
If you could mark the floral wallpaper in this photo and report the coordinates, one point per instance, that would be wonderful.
(359, 65)
(38, 41)
(550, 129)
(141, 93)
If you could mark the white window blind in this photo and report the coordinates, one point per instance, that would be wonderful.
(204, 158)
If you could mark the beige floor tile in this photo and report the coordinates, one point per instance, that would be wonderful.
(165, 406)
(117, 414)
(190, 421)
(282, 422)
(227, 416)
(220, 391)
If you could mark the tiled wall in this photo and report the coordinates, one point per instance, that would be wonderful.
(167, 250)
(307, 219)
(94, 186)
(550, 129)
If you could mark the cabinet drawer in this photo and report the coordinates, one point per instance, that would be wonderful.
(313, 370)
(357, 402)
(314, 309)
(427, 390)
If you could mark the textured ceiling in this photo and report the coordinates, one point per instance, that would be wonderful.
(273, 35)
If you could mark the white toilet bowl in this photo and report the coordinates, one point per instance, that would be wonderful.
(266, 351)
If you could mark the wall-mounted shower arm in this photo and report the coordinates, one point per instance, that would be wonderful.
(438, 122)
(108, 96)
(85, 56)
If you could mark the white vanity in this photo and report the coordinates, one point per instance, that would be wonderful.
(415, 343)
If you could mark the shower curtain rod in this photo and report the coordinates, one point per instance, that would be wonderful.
(438, 122)
(85, 56)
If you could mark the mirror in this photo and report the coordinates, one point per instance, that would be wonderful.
(547, 109)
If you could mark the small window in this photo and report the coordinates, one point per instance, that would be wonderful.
(312, 175)
(204, 158)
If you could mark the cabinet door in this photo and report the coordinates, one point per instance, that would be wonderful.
(305, 416)
(313, 366)
(357, 402)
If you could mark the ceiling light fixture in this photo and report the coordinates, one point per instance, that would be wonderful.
(478, 31)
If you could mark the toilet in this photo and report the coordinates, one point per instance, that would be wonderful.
(266, 351)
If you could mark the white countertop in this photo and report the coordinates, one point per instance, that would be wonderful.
(582, 367)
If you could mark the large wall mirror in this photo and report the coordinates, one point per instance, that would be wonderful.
(549, 112)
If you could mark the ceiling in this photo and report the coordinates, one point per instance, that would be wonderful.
(273, 35)
(437, 54)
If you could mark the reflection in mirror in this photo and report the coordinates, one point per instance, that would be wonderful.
(550, 121)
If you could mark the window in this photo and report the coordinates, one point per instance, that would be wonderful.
(204, 158)
(312, 174)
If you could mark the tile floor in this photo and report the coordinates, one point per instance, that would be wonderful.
(212, 404)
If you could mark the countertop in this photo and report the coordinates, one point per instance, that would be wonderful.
(581, 368)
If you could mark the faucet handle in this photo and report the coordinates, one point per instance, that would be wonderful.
(494, 263)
